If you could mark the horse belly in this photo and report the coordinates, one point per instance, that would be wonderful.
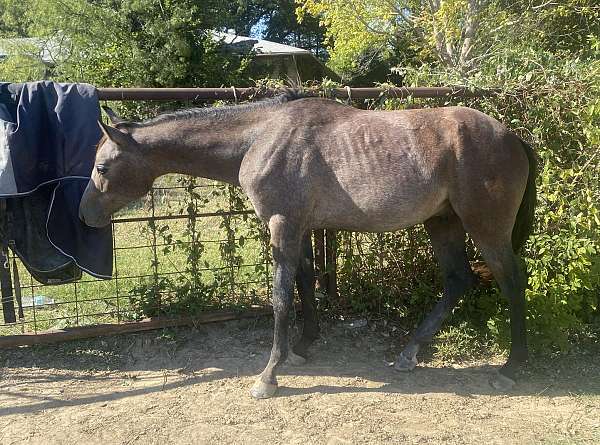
(377, 206)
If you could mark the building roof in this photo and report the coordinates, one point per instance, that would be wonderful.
(231, 41)
(277, 59)
(258, 46)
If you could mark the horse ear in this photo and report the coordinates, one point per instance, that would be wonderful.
(114, 134)
(112, 115)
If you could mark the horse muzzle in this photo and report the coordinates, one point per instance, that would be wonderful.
(90, 208)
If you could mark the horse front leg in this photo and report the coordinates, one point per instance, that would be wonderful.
(285, 241)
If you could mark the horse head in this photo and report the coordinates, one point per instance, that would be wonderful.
(120, 173)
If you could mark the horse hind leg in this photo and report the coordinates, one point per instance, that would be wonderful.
(488, 204)
(305, 283)
(448, 240)
(503, 263)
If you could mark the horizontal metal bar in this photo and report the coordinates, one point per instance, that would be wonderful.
(126, 277)
(183, 216)
(53, 336)
(204, 269)
(205, 94)
(179, 243)
(214, 94)
(183, 187)
(112, 313)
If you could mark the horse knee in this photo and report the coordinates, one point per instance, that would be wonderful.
(286, 240)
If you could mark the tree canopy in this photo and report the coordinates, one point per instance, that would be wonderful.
(14, 20)
(459, 36)
(145, 42)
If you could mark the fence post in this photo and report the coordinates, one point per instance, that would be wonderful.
(8, 302)
(6, 292)
(319, 254)
(331, 263)
(155, 274)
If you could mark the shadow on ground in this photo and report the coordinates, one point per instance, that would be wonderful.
(355, 360)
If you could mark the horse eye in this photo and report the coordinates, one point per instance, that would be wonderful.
(101, 169)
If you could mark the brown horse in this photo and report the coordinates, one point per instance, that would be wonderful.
(310, 163)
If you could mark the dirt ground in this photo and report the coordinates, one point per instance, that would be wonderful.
(189, 386)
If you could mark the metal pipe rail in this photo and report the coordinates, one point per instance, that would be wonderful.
(232, 93)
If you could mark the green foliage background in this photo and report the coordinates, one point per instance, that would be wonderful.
(543, 56)
(125, 42)
(545, 59)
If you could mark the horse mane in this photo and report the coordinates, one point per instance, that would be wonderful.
(221, 112)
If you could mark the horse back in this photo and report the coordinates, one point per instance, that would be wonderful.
(375, 170)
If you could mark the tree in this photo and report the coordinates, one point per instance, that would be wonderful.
(570, 26)
(457, 35)
(14, 20)
(132, 42)
(445, 30)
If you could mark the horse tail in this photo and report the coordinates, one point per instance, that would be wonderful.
(525, 216)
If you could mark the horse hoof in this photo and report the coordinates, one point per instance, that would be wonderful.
(295, 359)
(262, 390)
(502, 383)
(404, 364)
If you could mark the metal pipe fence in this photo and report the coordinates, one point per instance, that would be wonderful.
(235, 94)
(189, 247)
(153, 245)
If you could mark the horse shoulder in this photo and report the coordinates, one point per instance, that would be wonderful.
(273, 174)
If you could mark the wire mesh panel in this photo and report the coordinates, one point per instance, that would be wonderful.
(188, 246)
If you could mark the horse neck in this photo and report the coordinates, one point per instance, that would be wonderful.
(205, 147)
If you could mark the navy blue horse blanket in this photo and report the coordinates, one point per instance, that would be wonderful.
(48, 135)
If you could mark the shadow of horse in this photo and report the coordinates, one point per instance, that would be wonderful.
(466, 382)
(208, 355)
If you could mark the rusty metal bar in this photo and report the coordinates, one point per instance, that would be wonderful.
(319, 255)
(183, 216)
(214, 94)
(331, 263)
(45, 337)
